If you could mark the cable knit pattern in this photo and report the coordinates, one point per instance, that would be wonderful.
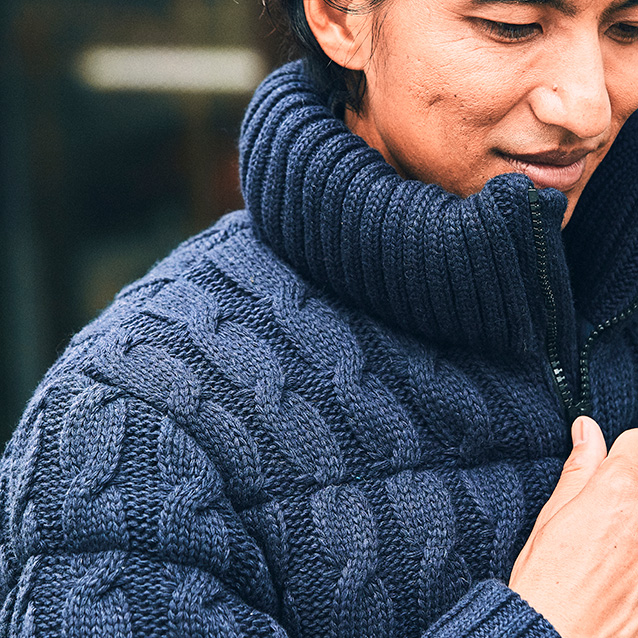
(330, 416)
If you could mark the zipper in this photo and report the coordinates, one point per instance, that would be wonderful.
(583, 405)
(540, 245)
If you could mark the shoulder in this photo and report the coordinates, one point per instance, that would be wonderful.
(216, 336)
(115, 485)
(158, 323)
(140, 433)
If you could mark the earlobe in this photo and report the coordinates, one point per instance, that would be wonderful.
(345, 37)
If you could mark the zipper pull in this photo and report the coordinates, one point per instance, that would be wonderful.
(534, 199)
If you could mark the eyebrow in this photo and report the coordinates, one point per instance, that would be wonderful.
(619, 6)
(564, 6)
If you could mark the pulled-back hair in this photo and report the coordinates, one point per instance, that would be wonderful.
(342, 87)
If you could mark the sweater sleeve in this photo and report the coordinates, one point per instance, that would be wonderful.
(491, 609)
(115, 523)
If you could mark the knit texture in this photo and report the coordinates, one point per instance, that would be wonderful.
(246, 444)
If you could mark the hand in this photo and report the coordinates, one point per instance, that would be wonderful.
(579, 567)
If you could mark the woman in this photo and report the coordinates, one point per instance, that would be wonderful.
(340, 412)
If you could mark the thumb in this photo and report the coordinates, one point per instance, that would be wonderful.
(588, 453)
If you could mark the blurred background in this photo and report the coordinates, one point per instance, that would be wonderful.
(118, 139)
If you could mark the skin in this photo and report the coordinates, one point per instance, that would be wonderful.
(579, 567)
(459, 92)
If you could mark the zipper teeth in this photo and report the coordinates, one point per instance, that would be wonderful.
(585, 384)
(550, 300)
(583, 406)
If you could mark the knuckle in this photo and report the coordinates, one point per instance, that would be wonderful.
(574, 463)
(621, 477)
(627, 442)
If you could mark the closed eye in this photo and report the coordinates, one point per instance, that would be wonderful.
(624, 32)
(508, 32)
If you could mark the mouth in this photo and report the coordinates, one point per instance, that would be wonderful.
(553, 169)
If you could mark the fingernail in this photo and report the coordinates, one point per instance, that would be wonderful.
(580, 430)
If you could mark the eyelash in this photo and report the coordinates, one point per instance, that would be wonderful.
(622, 32)
(507, 32)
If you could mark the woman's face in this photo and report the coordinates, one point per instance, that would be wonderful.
(459, 91)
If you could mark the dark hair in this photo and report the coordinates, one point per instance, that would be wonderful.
(342, 87)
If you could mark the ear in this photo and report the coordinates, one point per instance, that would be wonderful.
(344, 37)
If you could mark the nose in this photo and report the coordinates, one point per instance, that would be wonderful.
(573, 94)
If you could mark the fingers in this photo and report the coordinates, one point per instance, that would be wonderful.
(625, 445)
(586, 457)
(578, 567)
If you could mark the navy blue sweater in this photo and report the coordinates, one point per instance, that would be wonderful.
(335, 415)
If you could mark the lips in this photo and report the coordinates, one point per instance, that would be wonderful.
(554, 169)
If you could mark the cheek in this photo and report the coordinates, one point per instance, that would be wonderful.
(621, 79)
(440, 127)
(469, 94)
(624, 101)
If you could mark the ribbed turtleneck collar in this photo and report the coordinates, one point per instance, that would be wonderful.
(459, 271)
(602, 237)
